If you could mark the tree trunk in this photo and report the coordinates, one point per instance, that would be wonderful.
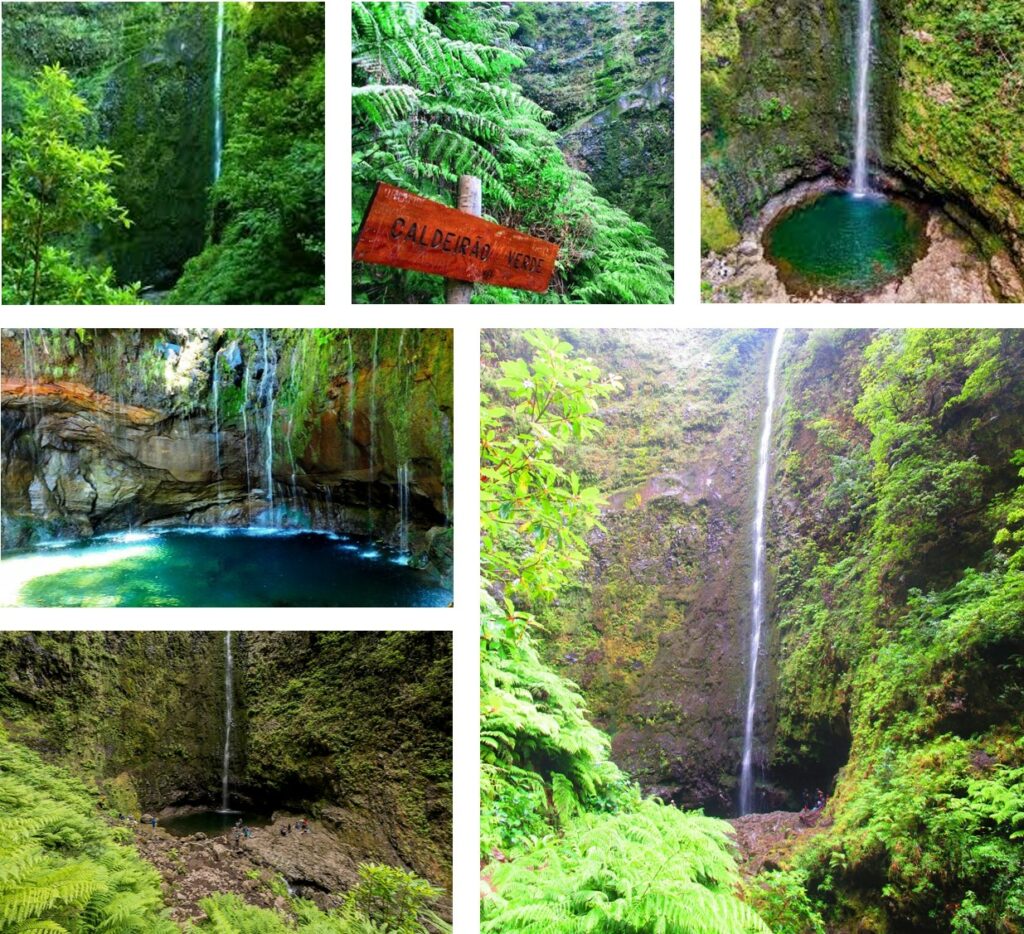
(37, 255)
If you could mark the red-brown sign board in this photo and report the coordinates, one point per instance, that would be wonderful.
(402, 229)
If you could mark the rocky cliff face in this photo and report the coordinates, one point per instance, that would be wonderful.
(776, 108)
(137, 712)
(147, 73)
(111, 430)
(656, 632)
(352, 728)
(604, 70)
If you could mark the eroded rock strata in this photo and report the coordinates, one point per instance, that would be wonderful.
(104, 431)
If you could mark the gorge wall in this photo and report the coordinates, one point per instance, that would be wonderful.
(657, 631)
(146, 72)
(604, 71)
(946, 99)
(352, 728)
(119, 429)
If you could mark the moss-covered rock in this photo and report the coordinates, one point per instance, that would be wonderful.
(604, 71)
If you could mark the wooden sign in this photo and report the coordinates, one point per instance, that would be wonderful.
(404, 230)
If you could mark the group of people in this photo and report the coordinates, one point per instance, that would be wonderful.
(128, 819)
(817, 803)
(240, 832)
(301, 826)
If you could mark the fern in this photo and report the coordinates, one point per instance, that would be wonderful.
(433, 100)
(60, 867)
(654, 868)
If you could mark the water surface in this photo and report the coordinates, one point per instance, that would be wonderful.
(845, 244)
(216, 567)
(212, 823)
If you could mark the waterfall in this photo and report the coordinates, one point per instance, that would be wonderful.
(373, 428)
(861, 183)
(757, 582)
(216, 409)
(351, 392)
(403, 508)
(268, 389)
(229, 718)
(218, 128)
(245, 433)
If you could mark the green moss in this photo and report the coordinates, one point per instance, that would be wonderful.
(717, 234)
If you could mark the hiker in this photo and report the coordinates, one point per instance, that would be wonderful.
(305, 825)
(819, 803)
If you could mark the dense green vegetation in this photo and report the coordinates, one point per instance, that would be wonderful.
(435, 97)
(923, 655)
(331, 723)
(137, 116)
(945, 102)
(896, 557)
(571, 842)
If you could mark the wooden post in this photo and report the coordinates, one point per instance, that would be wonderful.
(470, 202)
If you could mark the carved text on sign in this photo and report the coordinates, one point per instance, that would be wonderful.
(404, 230)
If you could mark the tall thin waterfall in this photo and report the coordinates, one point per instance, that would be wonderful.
(757, 583)
(373, 430)
(861, 183)
(403, 508)
(216, 409)
(229, 718)
(268, 388)
(245, 433)
(218, 127)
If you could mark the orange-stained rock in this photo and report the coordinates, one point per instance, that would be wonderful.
(73, 397)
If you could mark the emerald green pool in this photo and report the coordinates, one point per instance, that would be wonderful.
(844, 244)
(216, 567)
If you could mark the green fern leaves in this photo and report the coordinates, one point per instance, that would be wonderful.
(433, 99)
(60, 869)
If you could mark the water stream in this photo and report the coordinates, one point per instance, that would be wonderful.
(757, 583)
(267, 387)
(218, 128)
(861, 182)
(229, 719)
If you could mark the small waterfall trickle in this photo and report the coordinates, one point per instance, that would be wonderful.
(229, 719)
(351, 392)
(861, 183)
(245, 434)
(218, 119)
(403, 508)
(373, 429)
(757, 584)
(216, 423)
(268, 390)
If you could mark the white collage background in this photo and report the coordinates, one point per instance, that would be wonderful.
(687, 312)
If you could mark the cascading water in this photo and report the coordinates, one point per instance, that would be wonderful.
(373, 430)
(229, 719)
(218, 128)
(216, 416)
(351, 390)
(245, 431)
(861, 183)
(403, 508)
(268, 390)
(757, 584)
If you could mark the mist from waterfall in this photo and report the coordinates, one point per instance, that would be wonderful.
(746, 801)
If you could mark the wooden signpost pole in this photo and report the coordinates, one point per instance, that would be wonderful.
(470, 202)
